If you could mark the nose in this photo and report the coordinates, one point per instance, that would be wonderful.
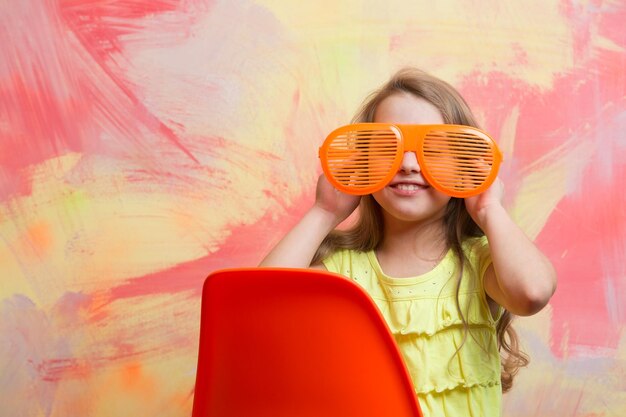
(409, 163)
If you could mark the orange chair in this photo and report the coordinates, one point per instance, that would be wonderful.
(296, 343)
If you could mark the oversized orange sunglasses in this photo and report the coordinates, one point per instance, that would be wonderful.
(457, 160)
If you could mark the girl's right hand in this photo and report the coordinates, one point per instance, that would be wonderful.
(333, 201)
(298, 247)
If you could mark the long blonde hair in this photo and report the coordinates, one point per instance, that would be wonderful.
(367, 232)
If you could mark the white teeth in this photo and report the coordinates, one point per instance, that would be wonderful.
(407, 187)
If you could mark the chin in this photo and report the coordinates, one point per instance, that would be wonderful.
(421, 218)
(414, 214)
(413, 209)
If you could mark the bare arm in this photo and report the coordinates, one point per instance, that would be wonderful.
(521, 278)
(297, 248)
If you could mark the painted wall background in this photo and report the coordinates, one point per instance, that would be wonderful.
(145, 143)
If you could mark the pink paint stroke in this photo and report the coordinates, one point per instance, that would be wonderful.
(584, 235)
(62, 89)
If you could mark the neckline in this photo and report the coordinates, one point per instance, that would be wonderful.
(408, 280)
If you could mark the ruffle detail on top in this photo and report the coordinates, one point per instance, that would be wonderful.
(436, 363)
(477, 400)
(427, 316)
(429, 333)
(423, 316)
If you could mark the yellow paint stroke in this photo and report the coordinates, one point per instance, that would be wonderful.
(506, 140)
(531, 41)
(91, 234)
(546, 182)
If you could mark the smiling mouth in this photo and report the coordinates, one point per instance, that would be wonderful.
(408, 187)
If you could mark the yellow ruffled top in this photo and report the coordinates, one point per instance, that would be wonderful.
(455, 373)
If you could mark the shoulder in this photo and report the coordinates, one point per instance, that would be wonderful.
(475, 245)
(346, 261)
(358, 267)
(478, 253)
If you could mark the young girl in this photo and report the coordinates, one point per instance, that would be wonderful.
(446, 273)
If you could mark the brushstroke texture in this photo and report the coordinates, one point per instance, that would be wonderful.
(144, 144)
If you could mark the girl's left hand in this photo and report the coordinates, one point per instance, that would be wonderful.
(478, 206)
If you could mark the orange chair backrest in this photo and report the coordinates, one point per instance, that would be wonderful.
(296, 343)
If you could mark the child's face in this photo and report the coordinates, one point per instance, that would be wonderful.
(408, 197)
